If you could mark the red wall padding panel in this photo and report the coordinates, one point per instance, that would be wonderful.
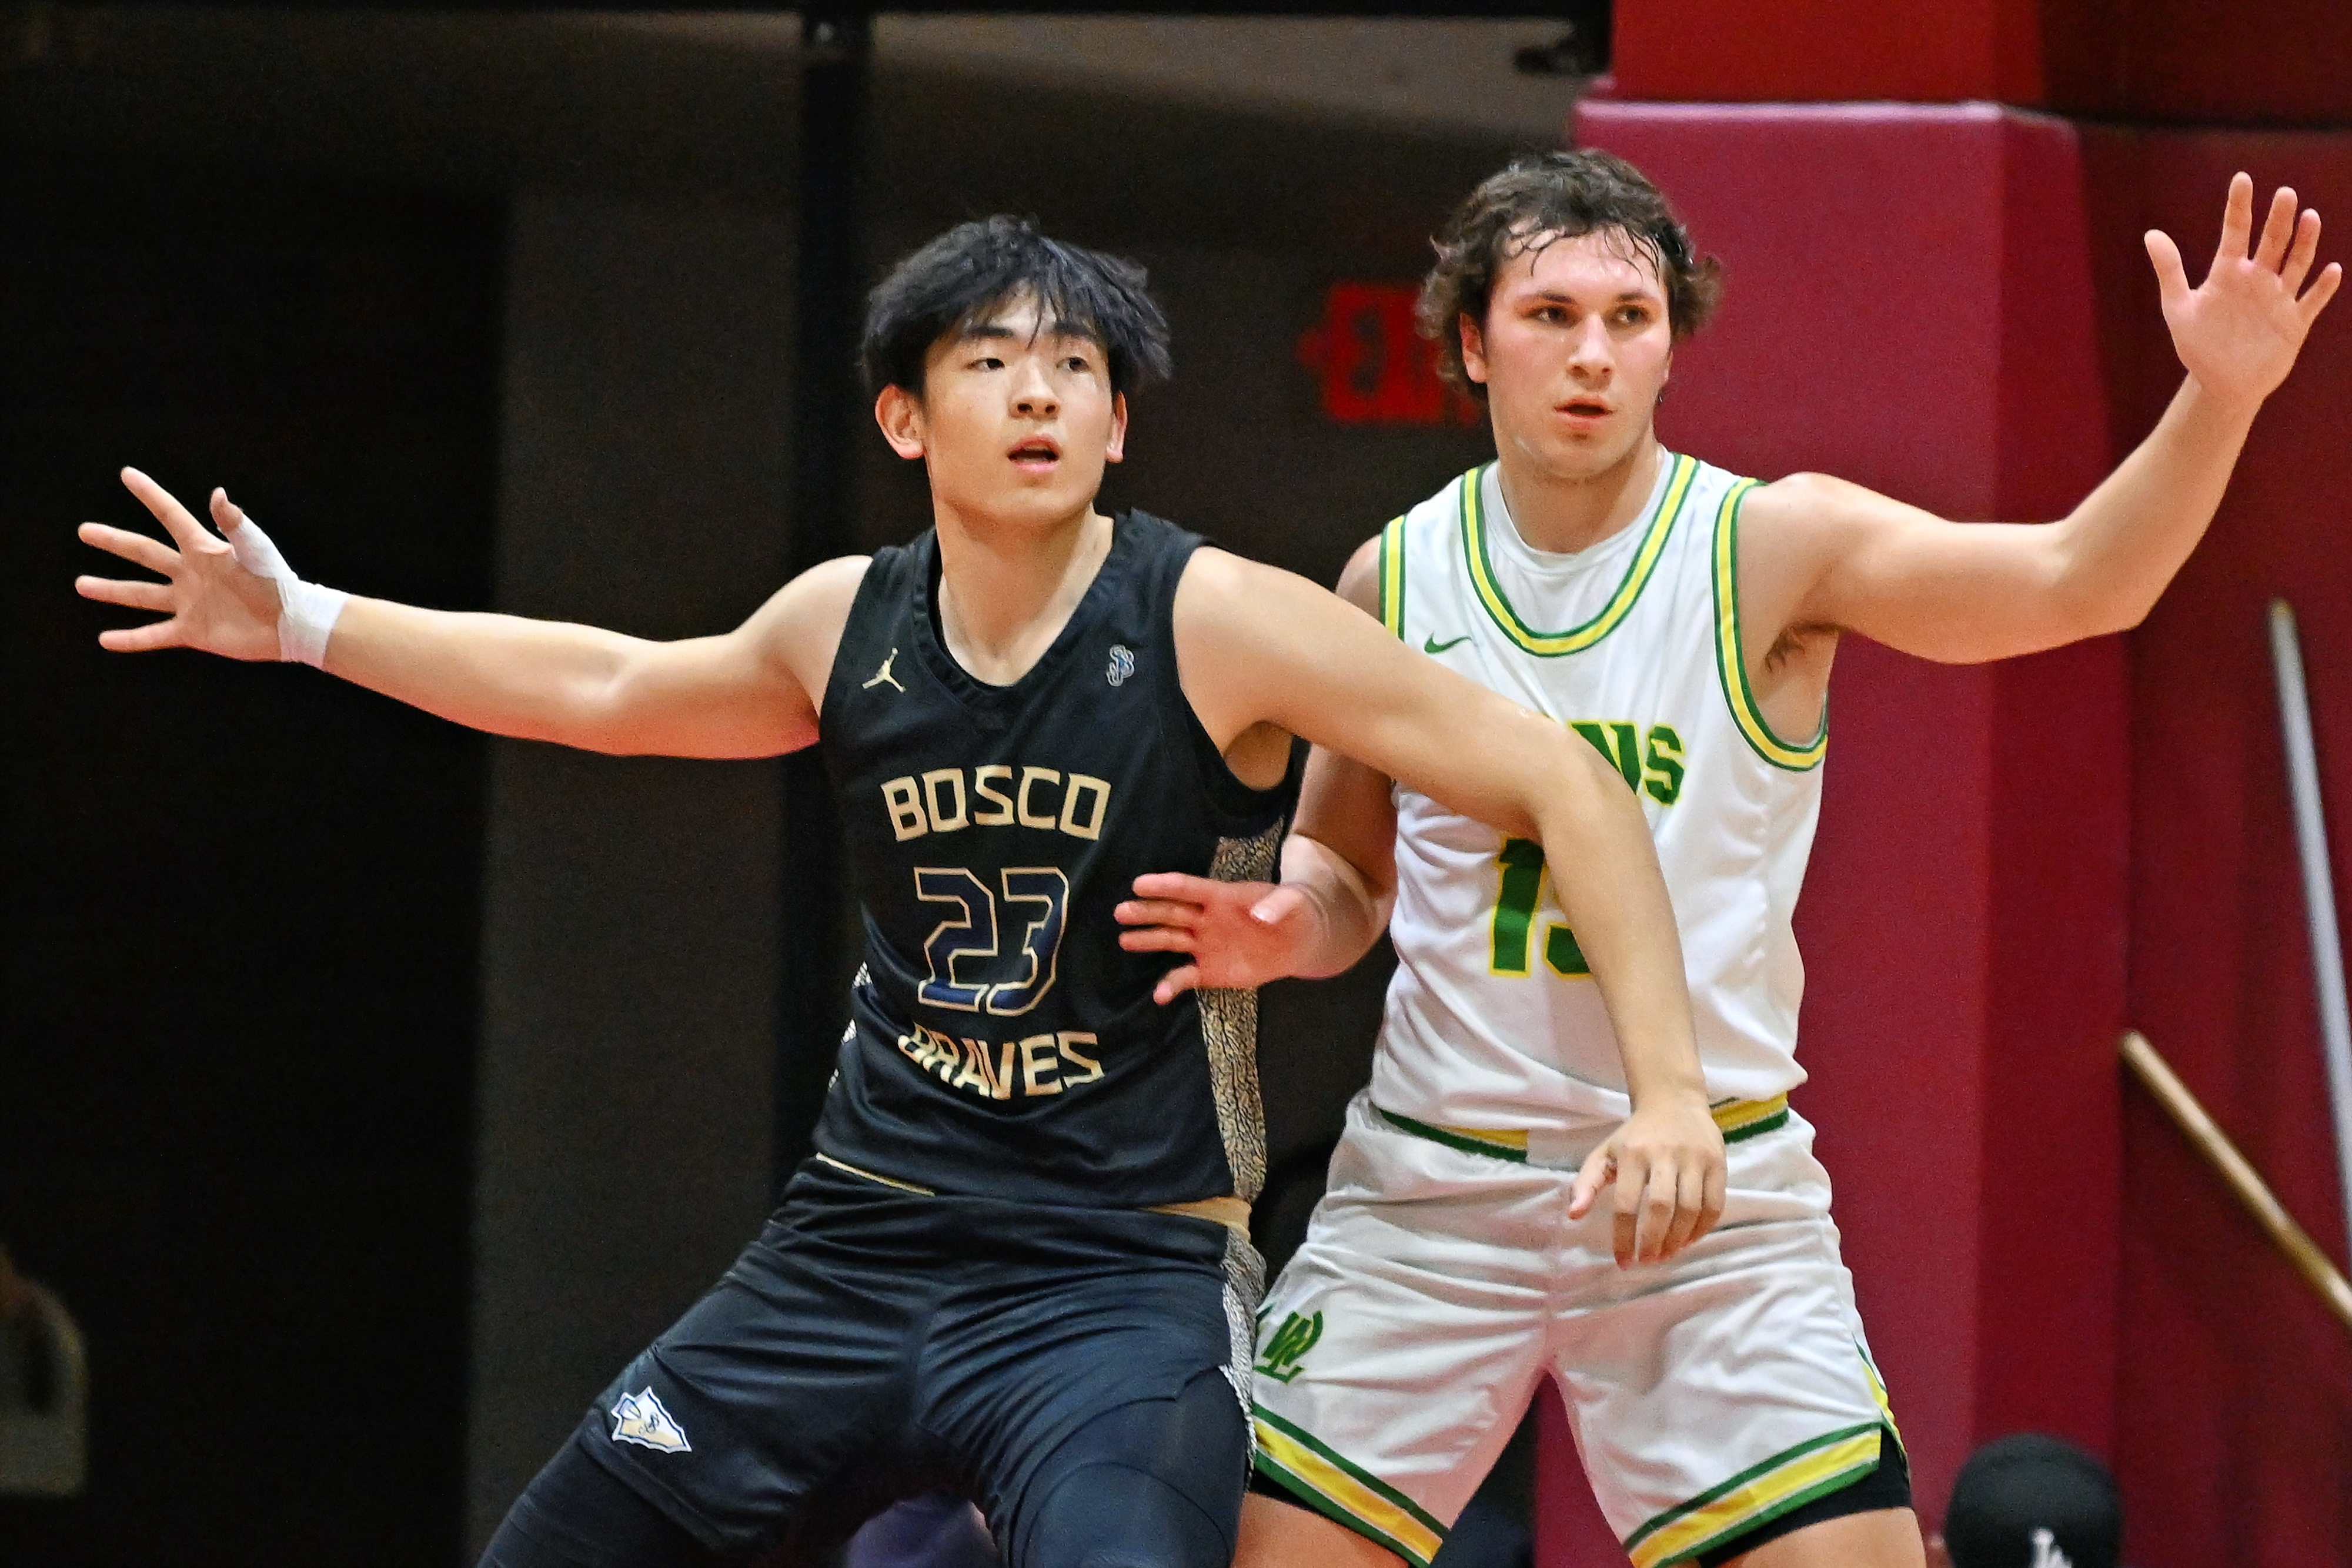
(2236, 1408)
(2245, 62)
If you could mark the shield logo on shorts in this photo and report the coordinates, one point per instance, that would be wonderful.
(639, 1418)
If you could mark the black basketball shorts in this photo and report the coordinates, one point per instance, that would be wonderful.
(1071, 1371)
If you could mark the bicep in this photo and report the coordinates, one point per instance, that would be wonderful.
(1344, 805)
(753, 692)
(1845, 557)
(1276, 649)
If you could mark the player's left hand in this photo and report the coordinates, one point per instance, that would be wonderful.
(2239, 331)
(1238, 933)
(1666, 1162)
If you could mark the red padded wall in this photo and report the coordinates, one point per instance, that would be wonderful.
(1910, 306)
(1736, 51)
(2244, 62)
(2235, 1402)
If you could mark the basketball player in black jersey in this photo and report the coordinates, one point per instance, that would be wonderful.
(1017, 1266)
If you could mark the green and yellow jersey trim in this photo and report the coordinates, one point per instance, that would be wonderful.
(1731, 663)
(1392, 577)
(1552, 645)
(1738, 1119)
(1344, 1493)
(1789, 1479)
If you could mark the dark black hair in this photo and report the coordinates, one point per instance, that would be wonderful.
(957, 279)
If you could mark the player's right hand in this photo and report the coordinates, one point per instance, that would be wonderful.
(209, 601)
(1666, 1169)
(1238, 933)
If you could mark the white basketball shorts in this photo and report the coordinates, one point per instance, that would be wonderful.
(1441, 1278)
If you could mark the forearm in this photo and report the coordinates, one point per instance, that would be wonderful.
(1604, 871)
(2123, 545)
(1350, 913)
(535, 680)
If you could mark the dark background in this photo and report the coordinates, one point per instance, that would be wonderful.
(235, 1113)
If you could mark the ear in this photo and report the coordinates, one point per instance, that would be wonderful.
(1473, 349)
(900, 412)
(1114, 451)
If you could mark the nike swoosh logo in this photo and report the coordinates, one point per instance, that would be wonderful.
(1433, 646)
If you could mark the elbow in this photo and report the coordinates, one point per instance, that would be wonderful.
(2084, 597)
(593, 714)
(2101, 616)
(1578, 791)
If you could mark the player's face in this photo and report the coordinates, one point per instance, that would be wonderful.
(1574, 351)
(1016, 420)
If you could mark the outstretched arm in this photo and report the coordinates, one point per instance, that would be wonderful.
(1819, 552)
(1263, 647)
(753, 692)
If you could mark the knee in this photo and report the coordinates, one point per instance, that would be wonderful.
(577, 1514)
(1109, 1515)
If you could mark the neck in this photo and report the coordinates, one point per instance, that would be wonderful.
(1563, 512)
(1007, 590)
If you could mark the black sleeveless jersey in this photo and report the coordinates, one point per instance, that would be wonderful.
(1002, 1041)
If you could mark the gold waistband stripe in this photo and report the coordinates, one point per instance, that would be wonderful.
(1230, 1212)
(1738, 1119)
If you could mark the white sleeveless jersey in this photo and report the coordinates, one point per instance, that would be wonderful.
(1493, 1019)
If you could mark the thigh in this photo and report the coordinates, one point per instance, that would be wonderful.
(1399, 1349)
(1282, 1532)
(755, 1419)
(1880, 1537)
(1731, 1385)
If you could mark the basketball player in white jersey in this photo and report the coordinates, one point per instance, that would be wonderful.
(1683, 621)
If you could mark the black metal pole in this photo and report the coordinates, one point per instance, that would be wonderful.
(811, 999)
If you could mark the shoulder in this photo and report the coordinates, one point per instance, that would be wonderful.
(1807, 503)
(802, 623)
(823, 592)
(1802, 523)
(1233, 598)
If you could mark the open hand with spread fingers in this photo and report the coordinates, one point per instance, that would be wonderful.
(1237, 934)
(210, 598)
(2238, 332)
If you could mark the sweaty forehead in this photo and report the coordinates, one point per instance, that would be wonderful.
(1605, 259)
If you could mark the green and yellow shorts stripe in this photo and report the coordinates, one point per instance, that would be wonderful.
(1738, 1119)
(1757, 1496)
(1343, 1492)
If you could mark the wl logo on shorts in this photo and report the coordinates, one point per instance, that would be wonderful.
(1290, 1346)
(639, 1418)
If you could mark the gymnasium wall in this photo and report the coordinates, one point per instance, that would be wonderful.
(1946, 299)
(2234, 1404)
(237, 1001)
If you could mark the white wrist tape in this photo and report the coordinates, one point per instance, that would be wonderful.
(306, 612)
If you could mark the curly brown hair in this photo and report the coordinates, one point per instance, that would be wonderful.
(1544, 197)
